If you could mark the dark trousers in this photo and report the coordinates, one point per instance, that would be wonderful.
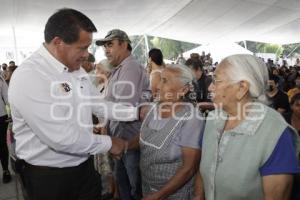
(127, 174)
(71, 183)
(3, 142)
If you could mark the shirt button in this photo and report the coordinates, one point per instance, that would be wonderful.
(220, 159)
(81, 87)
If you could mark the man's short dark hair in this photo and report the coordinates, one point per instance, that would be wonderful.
(194, 64)
(156, 56)
(4, 66)
(66, 24)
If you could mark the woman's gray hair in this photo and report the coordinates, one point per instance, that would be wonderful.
(186, 77)
(186, 74)
(251, 69)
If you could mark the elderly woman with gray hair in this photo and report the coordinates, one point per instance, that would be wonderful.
(248, 151)
(103, 70)
(169, 140)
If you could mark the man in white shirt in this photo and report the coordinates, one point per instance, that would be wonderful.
(52, 101)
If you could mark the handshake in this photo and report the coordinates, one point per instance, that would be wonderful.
(118, 147)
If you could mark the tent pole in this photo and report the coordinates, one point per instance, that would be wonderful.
(147, 44)
(245, 44)
(293, 50)
(147, 48)
(15, 45)
(140, 41)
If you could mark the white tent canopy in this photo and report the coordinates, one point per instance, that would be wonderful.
(197, 21)
(218, 50)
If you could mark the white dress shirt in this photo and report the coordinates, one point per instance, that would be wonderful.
(52, 113)
(3, 100)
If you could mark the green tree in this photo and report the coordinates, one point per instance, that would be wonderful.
(287, 50)
(170, 48)
(270, 48)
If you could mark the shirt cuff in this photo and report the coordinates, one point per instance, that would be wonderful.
(137, 112)
(126, 113)
(132, 113)
(104, 143)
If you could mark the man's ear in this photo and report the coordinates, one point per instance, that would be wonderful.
(57, 41)
(126, 44)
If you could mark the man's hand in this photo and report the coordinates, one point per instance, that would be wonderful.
(144, 111)
(117, 147)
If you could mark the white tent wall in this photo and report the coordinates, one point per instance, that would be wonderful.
(197, 21)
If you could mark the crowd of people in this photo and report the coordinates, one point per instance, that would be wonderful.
(119, 130)
(5, 75)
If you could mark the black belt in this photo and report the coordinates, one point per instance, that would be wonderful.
(20, 164)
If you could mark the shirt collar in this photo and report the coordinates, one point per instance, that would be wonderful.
(54, 63)
(80, 74)
(127, 60)
(248, 126)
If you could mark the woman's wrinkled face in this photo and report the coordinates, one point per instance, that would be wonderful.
(170, 88)
(223, 90)
(101, 75)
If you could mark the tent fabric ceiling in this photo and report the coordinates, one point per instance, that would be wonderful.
(235, 20)
(197, 21)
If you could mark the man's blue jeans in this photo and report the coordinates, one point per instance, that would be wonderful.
(128, 177)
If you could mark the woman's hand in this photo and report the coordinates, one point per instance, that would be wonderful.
(198, 188)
